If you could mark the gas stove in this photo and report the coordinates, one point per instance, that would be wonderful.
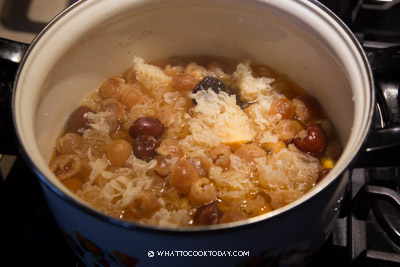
(367, 232)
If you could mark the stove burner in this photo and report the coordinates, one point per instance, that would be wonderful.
(388, 218)
(386, 212)
(378, 230)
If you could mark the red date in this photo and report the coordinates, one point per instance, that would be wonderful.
(78, 119)
(146, 126)
(315, 141)
(144, 147)
(207, 214)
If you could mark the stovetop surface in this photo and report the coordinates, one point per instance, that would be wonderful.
(31, 237)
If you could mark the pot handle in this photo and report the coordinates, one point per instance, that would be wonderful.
(385, 65)
(11, 53)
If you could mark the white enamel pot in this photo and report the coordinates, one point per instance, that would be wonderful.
(93, 40)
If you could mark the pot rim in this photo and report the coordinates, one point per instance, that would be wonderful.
(273, 215)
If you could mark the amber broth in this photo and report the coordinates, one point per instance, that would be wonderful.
(284, 85)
